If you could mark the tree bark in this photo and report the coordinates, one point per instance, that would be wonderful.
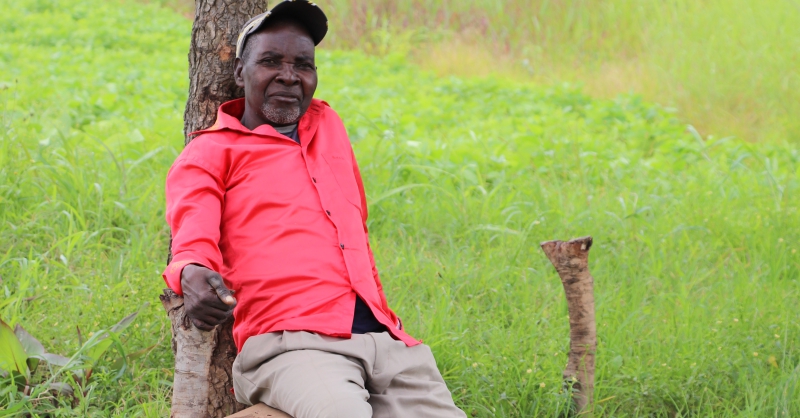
(571, 260)
(203, 360)
(211, 55)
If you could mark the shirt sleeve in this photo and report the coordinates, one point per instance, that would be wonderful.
(194, 207)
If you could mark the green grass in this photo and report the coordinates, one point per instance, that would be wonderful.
(729, 65)
(695, 260)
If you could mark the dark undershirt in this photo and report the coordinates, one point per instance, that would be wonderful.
(364, 320)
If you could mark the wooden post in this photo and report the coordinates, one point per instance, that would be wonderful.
(571, 260)
(203, 360)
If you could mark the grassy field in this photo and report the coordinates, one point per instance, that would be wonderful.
(729, 65)
(696, 236)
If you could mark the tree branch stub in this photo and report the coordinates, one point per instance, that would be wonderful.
(571, 260)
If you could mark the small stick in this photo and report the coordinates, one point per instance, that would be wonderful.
(571, 260)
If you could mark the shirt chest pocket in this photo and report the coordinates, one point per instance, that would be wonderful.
(342, 170)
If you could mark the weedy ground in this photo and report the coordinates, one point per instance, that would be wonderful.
(696, 237)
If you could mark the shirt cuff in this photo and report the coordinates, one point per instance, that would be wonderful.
(172, 274)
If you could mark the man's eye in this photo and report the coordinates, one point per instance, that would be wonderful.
(305, 66)
(271, 62)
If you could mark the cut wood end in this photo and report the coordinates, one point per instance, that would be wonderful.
(168, 294)
(577, 247)
(584, 243)
(170, 300)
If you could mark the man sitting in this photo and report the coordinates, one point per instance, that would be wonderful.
(268, 204)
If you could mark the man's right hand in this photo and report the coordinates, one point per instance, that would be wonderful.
(206, 300)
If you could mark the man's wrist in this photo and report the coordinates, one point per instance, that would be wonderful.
(173, 274)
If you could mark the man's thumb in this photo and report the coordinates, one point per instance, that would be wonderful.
(224, 294)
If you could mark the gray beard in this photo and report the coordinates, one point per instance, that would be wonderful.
(280, 116)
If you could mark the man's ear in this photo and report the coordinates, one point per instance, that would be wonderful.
(238, 66)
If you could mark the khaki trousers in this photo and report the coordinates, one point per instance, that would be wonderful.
(313, 376)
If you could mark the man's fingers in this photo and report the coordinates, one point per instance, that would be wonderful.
(208, 320)
(201, 325)
(211, 300)
(214, 315)
(224, 294)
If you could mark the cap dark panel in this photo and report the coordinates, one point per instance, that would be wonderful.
(304, 12)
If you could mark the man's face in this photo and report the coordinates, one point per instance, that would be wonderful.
(278, 75)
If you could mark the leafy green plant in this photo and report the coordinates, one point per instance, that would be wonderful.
(21, 354)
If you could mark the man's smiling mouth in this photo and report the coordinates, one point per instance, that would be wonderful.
(284, 96)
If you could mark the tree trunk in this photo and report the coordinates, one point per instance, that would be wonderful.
(211, 55)
(202, 384)
(203, 360)
(571, 260)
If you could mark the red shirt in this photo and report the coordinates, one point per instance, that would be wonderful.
(283, 223)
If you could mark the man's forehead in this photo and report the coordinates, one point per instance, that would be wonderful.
(282, 41)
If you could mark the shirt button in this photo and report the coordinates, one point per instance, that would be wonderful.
(342, 245)
(328, 212)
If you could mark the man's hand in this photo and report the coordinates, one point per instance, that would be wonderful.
(206, 300)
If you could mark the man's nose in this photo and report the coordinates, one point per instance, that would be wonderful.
(287, 75)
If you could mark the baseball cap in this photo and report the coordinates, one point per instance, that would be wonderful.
(304, 12)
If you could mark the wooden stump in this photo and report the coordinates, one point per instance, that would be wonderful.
(571, 260)
(203, 362)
